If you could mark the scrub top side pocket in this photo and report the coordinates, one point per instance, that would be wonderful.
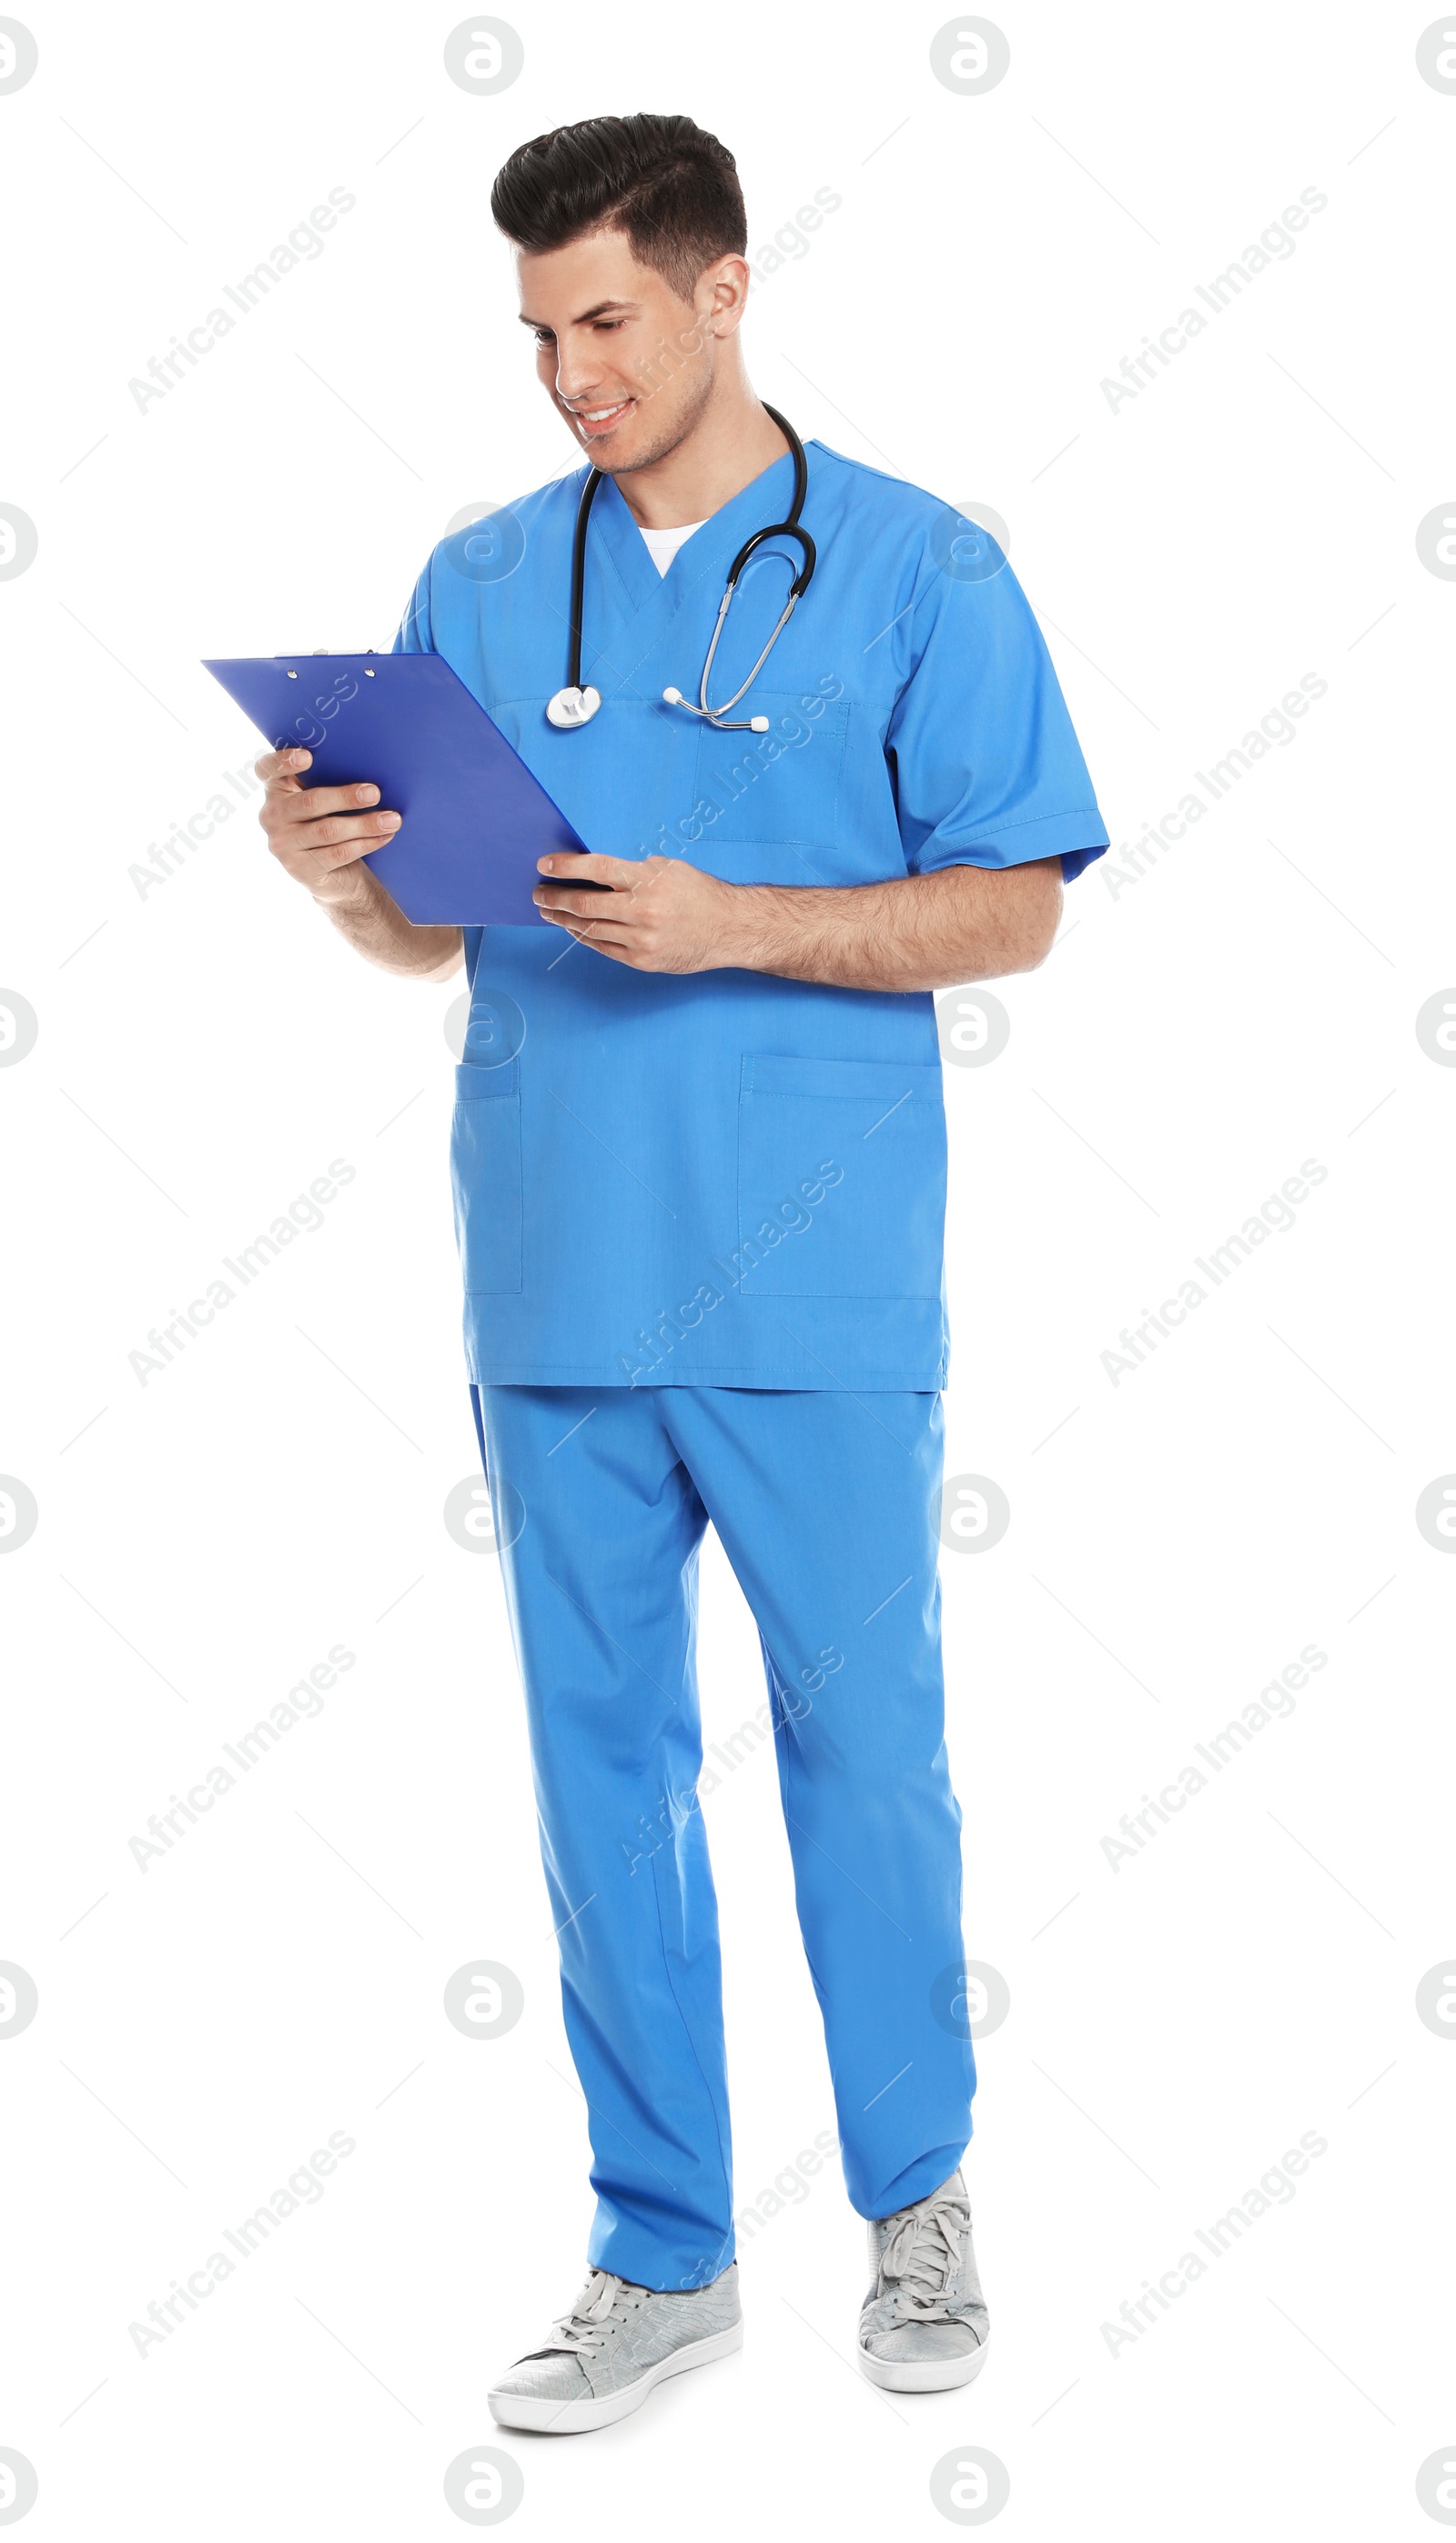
(841, 1178)
(486, 1176)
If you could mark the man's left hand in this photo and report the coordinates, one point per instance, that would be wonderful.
(912, 932)
(660, 915)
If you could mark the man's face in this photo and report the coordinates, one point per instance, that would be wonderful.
(627, 364)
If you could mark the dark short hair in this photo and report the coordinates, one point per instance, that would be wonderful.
(672, 188)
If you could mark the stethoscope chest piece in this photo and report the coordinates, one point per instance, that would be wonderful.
(571, 706)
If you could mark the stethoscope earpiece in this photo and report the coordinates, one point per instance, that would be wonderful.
(675, 697)
(575, 705)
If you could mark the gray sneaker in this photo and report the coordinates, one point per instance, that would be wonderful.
(924, 2325)
(602, 2359)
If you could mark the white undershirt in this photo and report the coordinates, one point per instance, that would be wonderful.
(662, 545)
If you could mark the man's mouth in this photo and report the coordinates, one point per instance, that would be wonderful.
(592, 420)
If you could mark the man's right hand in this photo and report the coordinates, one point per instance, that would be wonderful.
(318, 833)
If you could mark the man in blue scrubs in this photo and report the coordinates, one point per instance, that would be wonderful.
(699, 1163)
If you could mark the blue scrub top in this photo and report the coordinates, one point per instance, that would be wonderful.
(727, 1179)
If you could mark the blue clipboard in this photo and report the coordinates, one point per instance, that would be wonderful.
(473, 819)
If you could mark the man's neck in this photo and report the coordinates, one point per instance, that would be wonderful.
(732, 441)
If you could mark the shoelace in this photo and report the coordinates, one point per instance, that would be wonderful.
(595, 2314)
(923, 2255)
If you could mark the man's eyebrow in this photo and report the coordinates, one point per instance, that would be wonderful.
(598, 310)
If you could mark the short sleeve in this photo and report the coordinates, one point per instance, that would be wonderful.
(987, 767)
(412, 634)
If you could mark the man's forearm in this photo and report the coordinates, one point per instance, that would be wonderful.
(927, 932)
(373, 923)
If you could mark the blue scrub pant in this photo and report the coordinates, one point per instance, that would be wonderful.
(827, 1508)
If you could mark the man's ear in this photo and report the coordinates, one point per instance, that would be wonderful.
(723, 295)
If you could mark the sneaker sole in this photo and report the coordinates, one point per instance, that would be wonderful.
(573, 2419)
(923, 2375)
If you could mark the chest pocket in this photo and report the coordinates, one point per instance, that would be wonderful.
(780, 786)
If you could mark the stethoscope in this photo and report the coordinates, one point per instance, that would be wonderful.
(575, 705)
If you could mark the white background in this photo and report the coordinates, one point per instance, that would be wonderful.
(206, 1050)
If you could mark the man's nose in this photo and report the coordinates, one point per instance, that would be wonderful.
(576, 375)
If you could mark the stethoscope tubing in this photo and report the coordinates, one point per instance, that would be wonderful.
(787, 529)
